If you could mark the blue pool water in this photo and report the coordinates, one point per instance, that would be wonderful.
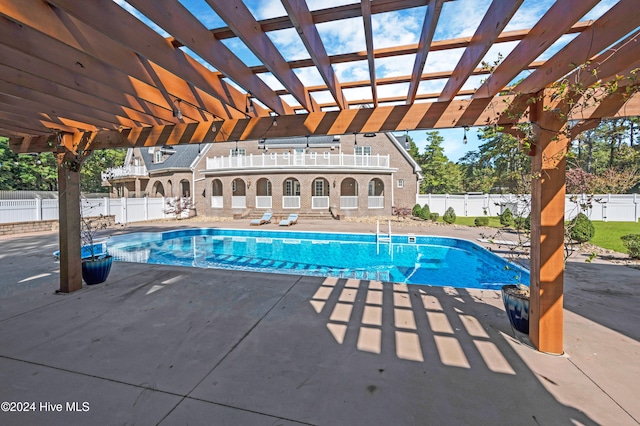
(407, 259)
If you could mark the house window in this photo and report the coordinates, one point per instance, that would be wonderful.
(326, 154)
(318, 188)
(157, 156)
(291, 188)
(237, 152)
(400, 183)
(233, 186)
(363, 150)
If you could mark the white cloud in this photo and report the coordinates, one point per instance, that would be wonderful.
(460, 18)
(265, 9)
(396, 28)
(528, 15)
(289, 44)
(343, 36)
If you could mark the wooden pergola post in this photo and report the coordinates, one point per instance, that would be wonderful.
(548, 189)
(69, 165)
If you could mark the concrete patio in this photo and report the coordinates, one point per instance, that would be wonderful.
(171, 345)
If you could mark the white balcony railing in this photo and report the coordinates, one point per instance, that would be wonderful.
(376, 202)
(263, 202)
(217, 202)
(269, 160)
(319, 202)
(123, 172)
(349, 202)
(291, 202)
(238, 202)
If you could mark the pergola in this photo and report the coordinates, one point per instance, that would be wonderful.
(78, 76)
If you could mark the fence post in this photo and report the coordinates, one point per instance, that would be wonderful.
(38, 208)
(107, 206)
(123, 210)
(146, 208)
(466, 202)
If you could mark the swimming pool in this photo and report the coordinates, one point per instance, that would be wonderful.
(410, 259)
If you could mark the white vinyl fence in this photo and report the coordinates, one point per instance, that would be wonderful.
(125, 210)
(606, 207)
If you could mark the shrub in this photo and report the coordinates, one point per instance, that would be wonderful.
(417, 210)
(581, 229)
(434, 216)
(449, 216)
(632, 243)
(522, 222)
(506, 218)
(426, 212)
(481, 221)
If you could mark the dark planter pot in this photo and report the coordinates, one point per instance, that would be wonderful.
(517, 306)
(96, 271)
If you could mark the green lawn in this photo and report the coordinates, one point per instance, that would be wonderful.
(608, 234)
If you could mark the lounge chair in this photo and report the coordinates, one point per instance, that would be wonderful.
(291, 220)
(266, 218)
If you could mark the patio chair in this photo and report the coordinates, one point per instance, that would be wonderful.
(291, 220)
(266, 218)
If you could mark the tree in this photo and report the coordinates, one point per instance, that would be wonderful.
(477, 176)
(39, 172)
(439, 174)
(508, 158)
(95, 164)
(35, 172)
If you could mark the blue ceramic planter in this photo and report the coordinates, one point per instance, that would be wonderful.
(517, 307)
(96, 271)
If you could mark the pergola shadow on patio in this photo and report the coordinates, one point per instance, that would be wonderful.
(113, 81)
(171, 345)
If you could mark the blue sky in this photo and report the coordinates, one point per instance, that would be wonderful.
(459, 18)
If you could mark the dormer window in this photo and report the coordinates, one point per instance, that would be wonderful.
(157, 156)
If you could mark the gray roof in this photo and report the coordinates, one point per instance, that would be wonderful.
(182, 157)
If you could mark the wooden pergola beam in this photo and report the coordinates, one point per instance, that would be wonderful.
(365, 5)
(107, 24)
(434, 7)
(245, 26)
(558, 19)
(187, 28)
(300, 16)
(609, 28)
(495, 20)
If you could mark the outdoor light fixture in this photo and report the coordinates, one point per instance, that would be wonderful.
(250, 108)
(464, 138)
(275, 121)
(370, 135)
(177, 113)
(262, 144)
(236, 147)
(355, 138)
(307, 141)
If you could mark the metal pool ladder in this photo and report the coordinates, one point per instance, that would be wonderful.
(380, 237)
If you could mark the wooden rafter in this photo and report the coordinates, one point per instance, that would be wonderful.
(92, 24)
(494, 21)
(411, 49)
(242, 22)
(368, 38)
(558, 19)
(301, 18)
(426, 36)
(609, 28)
(186, 27)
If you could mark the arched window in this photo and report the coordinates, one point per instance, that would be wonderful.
(158, 190)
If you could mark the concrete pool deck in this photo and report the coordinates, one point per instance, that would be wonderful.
(172, 345)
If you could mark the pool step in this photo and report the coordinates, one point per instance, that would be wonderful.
(243, 261)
